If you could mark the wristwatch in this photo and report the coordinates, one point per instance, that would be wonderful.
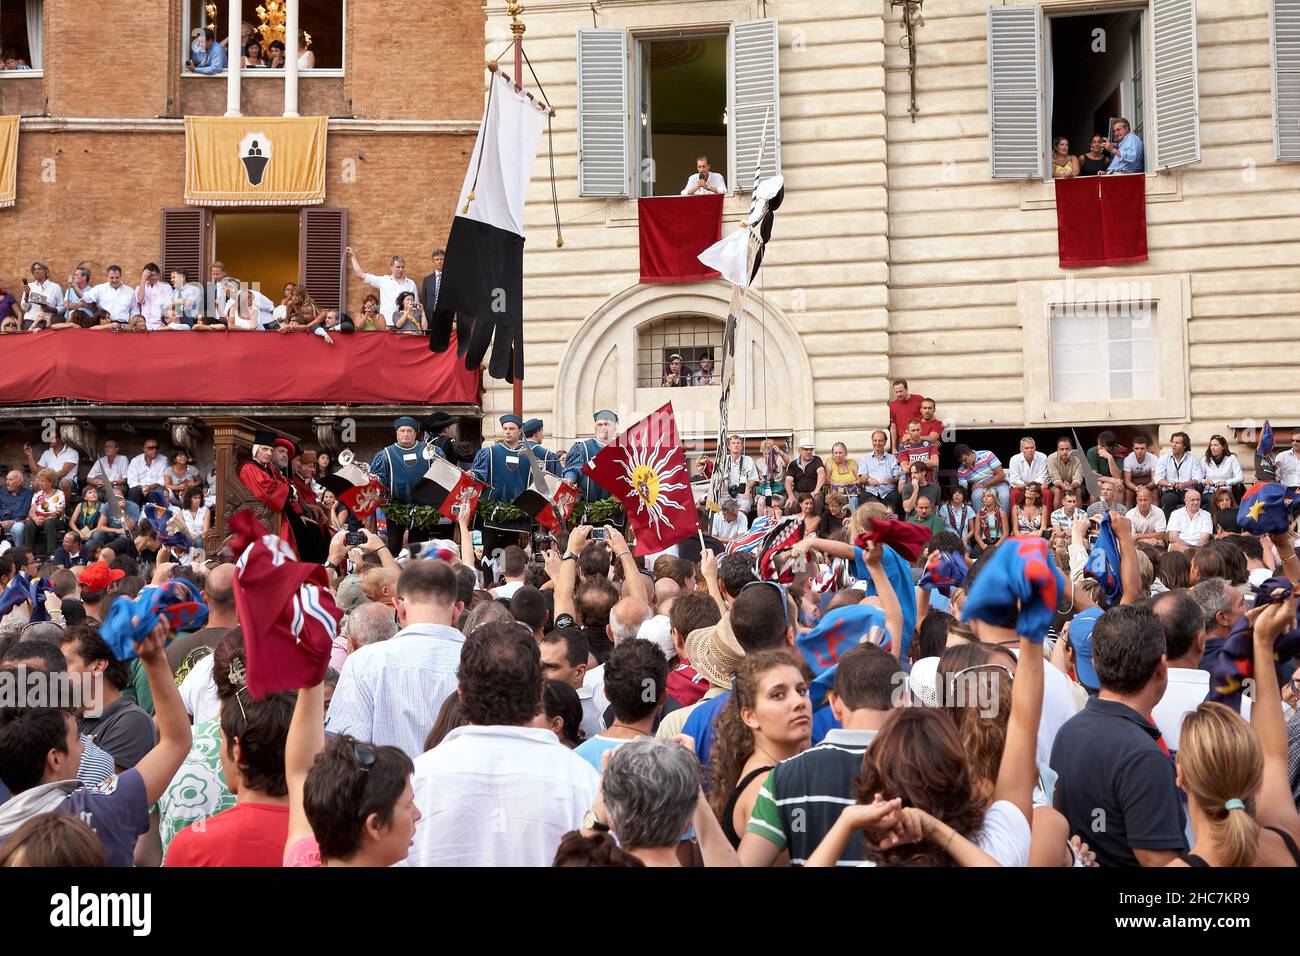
(568, 556)
(590, 822)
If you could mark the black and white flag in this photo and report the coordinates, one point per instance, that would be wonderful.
(483, 275)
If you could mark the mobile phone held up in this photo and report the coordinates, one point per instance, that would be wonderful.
(355, 538)
(598, 534)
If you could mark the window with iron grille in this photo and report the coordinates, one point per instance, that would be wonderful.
(693, 337)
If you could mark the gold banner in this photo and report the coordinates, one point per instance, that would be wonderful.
(255, 160)
(8, 160)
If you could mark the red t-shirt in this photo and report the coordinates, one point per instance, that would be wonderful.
(248, 834)
(686, 686)
(900, 413)
(933, 427)
(920, 452)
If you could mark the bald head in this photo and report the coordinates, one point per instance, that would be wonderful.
(219, 588)
(665, 590)
(626, 618)
(14, 481)
(370, 623)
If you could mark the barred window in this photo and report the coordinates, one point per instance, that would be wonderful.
(693, 337)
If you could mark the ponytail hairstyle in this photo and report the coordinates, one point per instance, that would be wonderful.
(733, 742)
(1220, 761)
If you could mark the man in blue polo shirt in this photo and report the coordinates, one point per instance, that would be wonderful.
(1116, 779)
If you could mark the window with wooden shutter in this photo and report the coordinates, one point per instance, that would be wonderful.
(322, 237)
(755, 101)
(184, 243)
(602, 113)
(1284, 34)
(1177, 126)
(1015, 68)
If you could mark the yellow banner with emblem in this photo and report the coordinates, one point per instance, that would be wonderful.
(255, 160)
(8, 160)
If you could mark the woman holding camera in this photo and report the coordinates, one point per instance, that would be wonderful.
(409, 317)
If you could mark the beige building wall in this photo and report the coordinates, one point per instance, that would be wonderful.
(897, 254)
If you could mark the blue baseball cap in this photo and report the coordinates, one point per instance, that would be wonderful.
(1081, 626)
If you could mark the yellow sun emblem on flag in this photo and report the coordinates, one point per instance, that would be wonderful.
(1256, 509)
(647, 472)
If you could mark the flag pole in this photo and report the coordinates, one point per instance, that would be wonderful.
(514, 8)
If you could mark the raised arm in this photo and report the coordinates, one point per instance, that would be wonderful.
(357, 271)
(1129, 575)
(1018, 772)
(1274, 803)
(568, 577)
(159, 765)
(888, 599)
(305, 740)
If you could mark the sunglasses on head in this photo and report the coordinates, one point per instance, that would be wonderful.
(780, 590)
(365, 755)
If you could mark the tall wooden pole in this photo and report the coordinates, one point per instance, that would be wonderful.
(514, 9)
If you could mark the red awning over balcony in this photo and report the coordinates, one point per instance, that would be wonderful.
(231, 368)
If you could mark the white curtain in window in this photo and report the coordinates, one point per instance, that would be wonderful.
(35, 33)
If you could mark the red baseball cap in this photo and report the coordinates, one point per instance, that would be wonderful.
(98, 576)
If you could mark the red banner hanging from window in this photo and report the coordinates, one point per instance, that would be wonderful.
(1101, 220)
(674, 231)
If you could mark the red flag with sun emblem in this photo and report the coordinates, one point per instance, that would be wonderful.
(645, 469)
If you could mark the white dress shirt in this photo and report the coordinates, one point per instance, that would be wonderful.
(52, 292)
(1176, 472)
(1152, 522)
(116, 469)
(1022, 472)
(1188, 687)
(496, 796)
(56, 460)
(389, 693)
(150, 300)
(1288, 469)
(1191, 528)
(716, 183)
(1228, 471)
(141, 472)
(389, 289)
(119, 303)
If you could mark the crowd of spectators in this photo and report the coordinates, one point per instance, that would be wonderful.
(179, 303)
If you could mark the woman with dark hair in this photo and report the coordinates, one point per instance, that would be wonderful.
(449, 718)
(179, 478)
(808, 511)
(408, 317)
(275, 53)
(1029, 517)
(767, 719)
(932, 635)
(1095, 160)
(85, 517)
(350, 803)
(253, 55)
(597, 849)
(53, 839)
(197, 518)
(1175, 570)
(1064, 166)
(372, 320)
(563, 711)
(1222, 469)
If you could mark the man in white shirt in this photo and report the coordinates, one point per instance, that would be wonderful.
(60, 458)
(1288, 464)
(390, 692)
(1139, 469)
(389, 286)
(110, 469)
(1184, 627)
(741, 474)
(114, 297)
(503, 790)
(186, 297)
(1178, 471)
(705, 182)
(145, 473)
(1029, 464)
(1147, 520)
(513, 565)
(728, 523)
(1189, 526)
(150, 297)
(41, 298)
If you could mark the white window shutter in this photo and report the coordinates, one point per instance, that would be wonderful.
(602, 113)
(1177, 126)
(755, 116)
(1015, 93)
(1284, 33)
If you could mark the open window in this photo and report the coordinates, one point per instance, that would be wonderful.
(321, 23)
(1069, 74)
(648, 105)
(21, 36)
(693, 337)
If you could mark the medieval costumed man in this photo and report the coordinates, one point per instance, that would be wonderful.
(534, 437)
(272, 487)
(587, 449)
(400, 466)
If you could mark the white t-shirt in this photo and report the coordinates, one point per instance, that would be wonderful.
(49, 459)
(1190, 528)
(199, 692)
(116, 469)
(1154, 521)
(1005, 835)
(389, 289)
(727, 530)
(507, 590)
(1187, 689)
(1143, 469)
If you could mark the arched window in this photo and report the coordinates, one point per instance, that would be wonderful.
(693, 337)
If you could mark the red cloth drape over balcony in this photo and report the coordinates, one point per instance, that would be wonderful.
(1101, 220)
(674, 231)
(231, 368)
